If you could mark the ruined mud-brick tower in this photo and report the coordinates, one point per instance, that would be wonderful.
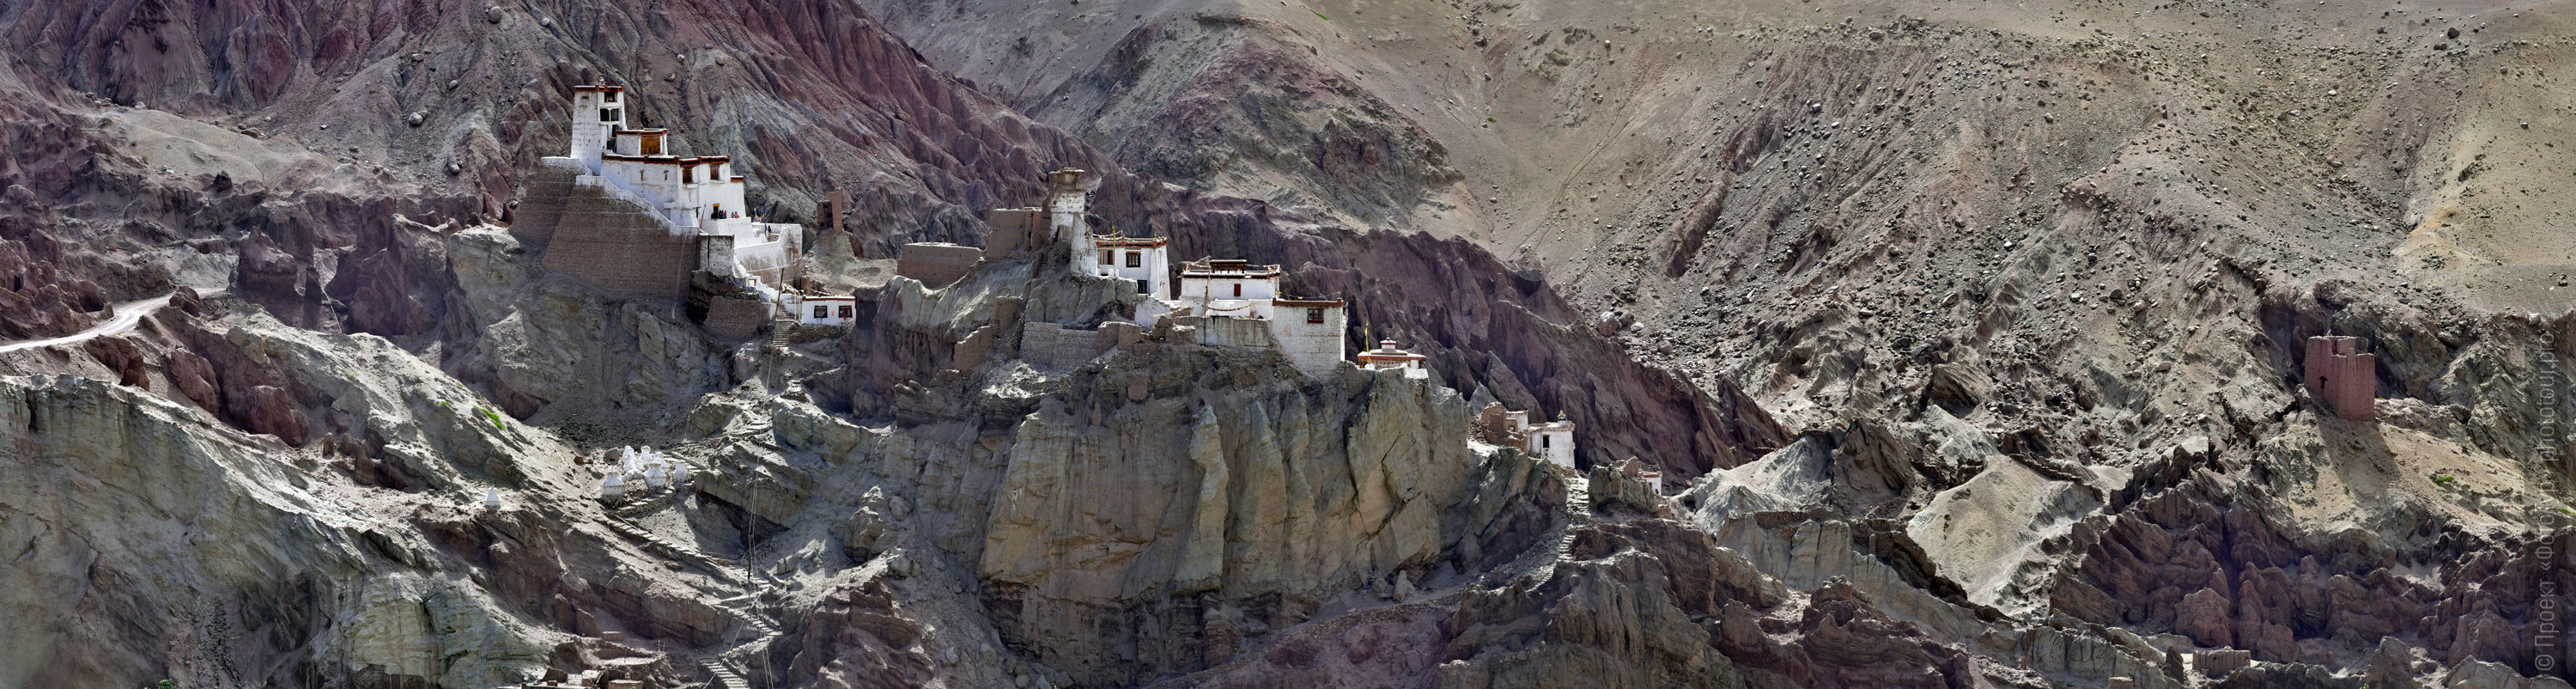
(1066, 204)
(2341, 377)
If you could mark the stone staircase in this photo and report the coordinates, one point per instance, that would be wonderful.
(726, 677)
(725, 672)
(665, 548)
(765, 632)
(781, 324)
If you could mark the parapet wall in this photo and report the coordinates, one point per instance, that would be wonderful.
(606, 241)
(1012, 228)
(936, 264)
(1249, 333)
(727, 311)
(1051, 345)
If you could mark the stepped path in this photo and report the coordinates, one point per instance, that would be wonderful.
(726, 678)
(127, 315)
(781, 323)
(723, 666)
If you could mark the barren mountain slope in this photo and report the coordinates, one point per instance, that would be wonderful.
(1542, 107)
(2096, 235)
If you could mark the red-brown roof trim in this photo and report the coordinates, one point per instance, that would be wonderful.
(1129, 242)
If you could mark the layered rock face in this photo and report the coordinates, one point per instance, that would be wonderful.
(1182, 524)
(2026, 291)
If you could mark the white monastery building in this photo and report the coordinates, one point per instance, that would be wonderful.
(1553, 441)
(1141, 259)
(1389, 358)
(694, 196)
(1309, 331)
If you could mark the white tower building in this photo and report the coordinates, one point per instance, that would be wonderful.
(598, 112)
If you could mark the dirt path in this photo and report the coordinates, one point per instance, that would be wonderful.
(127, 314)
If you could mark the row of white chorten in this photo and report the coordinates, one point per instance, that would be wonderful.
(646, 466)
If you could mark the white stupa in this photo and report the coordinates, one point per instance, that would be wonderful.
(491, 498)
(654, 478)
(613, 487)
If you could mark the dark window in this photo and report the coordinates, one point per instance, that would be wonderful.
(612, 98)
(821, 311)
(1238, 289)
(1135, 259)
(1108, 258)
(1545, 442)
(1314, 314)
(689, 174)
(845, 311)
(607, 114)
(1144, 287)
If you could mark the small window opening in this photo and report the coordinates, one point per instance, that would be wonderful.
(1315, 314)
(1238, 289)
(821, 311)
(608, 114)
(1135, 259)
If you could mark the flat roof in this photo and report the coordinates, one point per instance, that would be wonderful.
(1228, 268)
(1284, 300)
(598, 87)
(1126, 241)
(665, 160)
